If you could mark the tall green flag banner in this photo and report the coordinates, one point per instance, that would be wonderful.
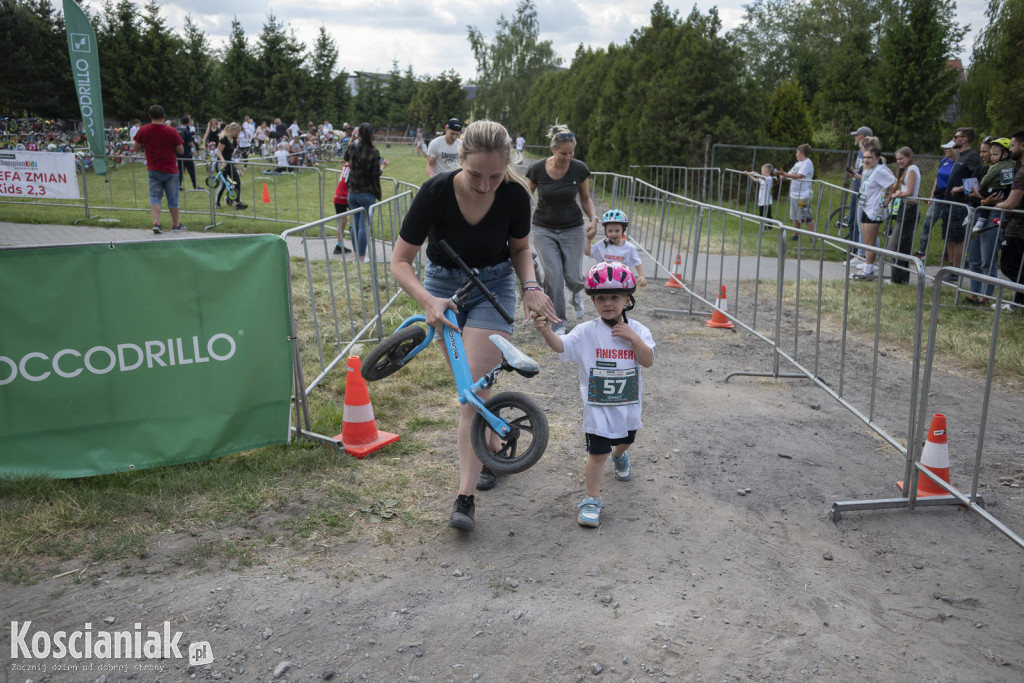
(85, 70)
(128, 355)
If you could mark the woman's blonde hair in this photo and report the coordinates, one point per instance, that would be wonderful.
(560, 133)
(869, 141)
(909, 154)
(490, 136)
(230, 130)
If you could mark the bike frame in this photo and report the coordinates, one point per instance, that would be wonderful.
(228, 183)
(464, 384)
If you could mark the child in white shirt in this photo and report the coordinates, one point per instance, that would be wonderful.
(765, 182)
(614, 248)
(281, 157)
(609, 351)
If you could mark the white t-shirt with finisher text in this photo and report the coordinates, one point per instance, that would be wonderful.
(610, 381)
(625, 253)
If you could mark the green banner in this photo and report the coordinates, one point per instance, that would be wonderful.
(85, 72)
(131, 355)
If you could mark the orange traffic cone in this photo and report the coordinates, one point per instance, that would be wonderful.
(675, 280)
(934, 456)
(359, 433)
(266, 194)
(717, 319)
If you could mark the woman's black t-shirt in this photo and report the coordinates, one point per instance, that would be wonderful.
(435, 216)
(557, 208)
(229, 148)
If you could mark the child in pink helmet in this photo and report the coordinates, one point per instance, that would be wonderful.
(609, 351)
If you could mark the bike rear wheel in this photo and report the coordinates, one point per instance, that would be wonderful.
(385, 359)
(523, 446)
(838, 223)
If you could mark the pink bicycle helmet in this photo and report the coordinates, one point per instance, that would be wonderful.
(609, 277)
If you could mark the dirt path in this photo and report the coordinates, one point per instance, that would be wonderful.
(686, 579)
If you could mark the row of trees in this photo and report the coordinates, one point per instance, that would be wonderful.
(794, 71)
(143, 61)
(993, 96)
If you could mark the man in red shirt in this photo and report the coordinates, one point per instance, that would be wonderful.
(162, 145)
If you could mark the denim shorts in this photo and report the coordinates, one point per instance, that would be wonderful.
(477, 311)
(161, 184)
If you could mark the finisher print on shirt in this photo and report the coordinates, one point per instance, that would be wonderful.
(626, 253)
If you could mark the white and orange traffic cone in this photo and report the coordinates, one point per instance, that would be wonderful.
(359, 433)
(675, 280)
(934, 456)
(717, 317)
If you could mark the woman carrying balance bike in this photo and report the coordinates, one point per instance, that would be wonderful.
(482, 209)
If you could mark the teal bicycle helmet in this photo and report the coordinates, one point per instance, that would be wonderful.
(615, 216)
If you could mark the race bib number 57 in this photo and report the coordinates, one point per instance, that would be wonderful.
(613, 387)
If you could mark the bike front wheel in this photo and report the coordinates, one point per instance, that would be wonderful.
(524, 444)
(386, 358)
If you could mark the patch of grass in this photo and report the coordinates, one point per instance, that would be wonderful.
(963, 335)
(295, 198)
(500, 587)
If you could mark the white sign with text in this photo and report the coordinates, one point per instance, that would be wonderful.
(38, 175)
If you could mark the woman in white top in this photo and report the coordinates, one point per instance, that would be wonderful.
(903, 205)
(876, 180)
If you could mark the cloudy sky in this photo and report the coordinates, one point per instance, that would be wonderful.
(431, 34)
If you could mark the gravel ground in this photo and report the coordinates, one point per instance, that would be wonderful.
(719, 561)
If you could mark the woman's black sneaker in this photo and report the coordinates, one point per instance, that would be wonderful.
(486, 480)
(462, 513)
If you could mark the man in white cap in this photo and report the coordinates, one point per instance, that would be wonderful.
(854, 172)
(443, 152)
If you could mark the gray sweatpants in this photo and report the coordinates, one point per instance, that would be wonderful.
(560, 253)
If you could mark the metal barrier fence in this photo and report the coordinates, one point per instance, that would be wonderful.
(826, 161)
(851, 367)
(341, 302)
(914, 469)
(295, 196)
(912, 223)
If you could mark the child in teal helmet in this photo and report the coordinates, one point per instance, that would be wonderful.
(614, 248)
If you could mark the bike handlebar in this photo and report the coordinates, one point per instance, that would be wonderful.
(473, 273)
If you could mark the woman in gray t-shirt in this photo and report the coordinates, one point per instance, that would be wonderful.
(559, 226)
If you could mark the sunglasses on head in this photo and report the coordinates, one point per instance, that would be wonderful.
(563, 136)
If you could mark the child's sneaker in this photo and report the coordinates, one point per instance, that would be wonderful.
(623, 470)
(157, 229)
(590, 512)
(179, 228)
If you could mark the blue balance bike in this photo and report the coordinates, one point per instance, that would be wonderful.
(521, 426)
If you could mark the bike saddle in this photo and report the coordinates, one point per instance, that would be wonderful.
(515, 359)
